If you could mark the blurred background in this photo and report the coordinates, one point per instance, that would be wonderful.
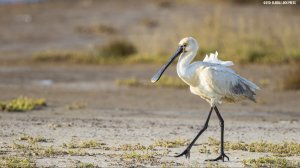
(90, 59)
(108, 50)
(122, 43)
(242, 31)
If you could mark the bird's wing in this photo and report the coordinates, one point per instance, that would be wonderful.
(213, 58)
(225, 82)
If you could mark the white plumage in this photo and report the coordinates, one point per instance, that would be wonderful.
(212, 80)
(213, 58)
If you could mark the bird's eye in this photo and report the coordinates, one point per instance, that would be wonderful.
(184, 45)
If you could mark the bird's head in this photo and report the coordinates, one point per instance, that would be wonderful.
(187, 44)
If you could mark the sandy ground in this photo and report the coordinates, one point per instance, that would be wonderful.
(117, 115)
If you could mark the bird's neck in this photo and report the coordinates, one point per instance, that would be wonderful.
(184, 61)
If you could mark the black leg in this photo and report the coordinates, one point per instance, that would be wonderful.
(186, 152)
(222, 155)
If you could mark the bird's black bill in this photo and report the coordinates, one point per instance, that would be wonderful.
(157, 76)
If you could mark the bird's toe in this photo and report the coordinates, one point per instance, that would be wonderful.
(185, 152)
(221, 157)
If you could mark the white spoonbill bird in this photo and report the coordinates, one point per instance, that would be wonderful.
(212, 80)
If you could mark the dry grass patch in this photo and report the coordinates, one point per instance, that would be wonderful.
(278, 149)
(71, 57)
(204, 149)
(270, 162)
(137, 159)
(242, 36)
(170, 143)
(137, 154)
(133, 147)
(16, 162)
(94, 144)
(144, 156)
(32, 139)
(33, 149)
(85, 165)
(282, 149)
(214, 165)
(115, 52)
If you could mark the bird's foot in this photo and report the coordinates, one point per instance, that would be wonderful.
(221, 157)
(186, 152)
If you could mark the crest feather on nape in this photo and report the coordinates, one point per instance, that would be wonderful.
(213, 58)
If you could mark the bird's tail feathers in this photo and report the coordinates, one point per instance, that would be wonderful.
(251, 88)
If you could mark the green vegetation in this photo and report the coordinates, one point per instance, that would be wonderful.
(49, 151)
(16, 162)
(90, 144)
(76, 106)
(36, 150)
(203, 149)
(22, 104)
(119, 48)
(214, 165)
(243, 39)
(132, 147)
(292, 79)
(152, 147)
(168, 81)
(137, 153)
(33, 149)
(282, 149)
(85, 165)
(130, 82)
(64, 57)
(115, 52)
(170, 143)
(165, 81)
(212, 141)
(75, 152)
(84, 144)
(270, 162)
(93, 58)
(249, 37)
(32, 139)
(144, 156)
